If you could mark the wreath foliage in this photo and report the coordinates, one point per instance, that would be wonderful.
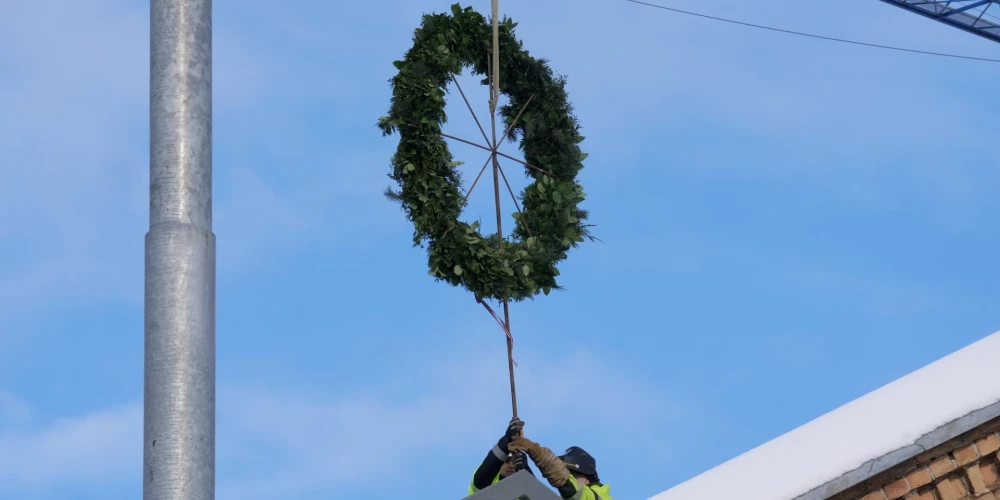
(430, 184)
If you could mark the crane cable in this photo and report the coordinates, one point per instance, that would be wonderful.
(821, 37)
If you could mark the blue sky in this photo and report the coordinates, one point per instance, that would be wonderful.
(787, 224)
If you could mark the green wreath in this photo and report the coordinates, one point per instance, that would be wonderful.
(430, 185)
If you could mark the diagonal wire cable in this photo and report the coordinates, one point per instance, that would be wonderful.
(474, 117)
(799, 33)
(505, 155)
(469, 192)
(500, 322)
(522, 162)
(514, 122)
(516, 204)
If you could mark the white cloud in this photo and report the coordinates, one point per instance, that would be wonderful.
(13, 410)
(448, 407)
(281, 441)
(73, 95)
(814, 106)
(89, 449)
(75, 122)
(254, 216)
(74, 134)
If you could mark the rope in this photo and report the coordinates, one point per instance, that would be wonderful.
(551, 466)
(500, 322)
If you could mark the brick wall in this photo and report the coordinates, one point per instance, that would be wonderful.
(964, 468)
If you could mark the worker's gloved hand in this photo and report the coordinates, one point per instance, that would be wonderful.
(521, 443)
(513, 431)
(519, 460)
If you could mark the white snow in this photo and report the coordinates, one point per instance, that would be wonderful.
(882, 421)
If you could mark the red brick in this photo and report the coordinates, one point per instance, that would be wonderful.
(990, 476)
(875, 495)
(942, 466)
(988, 444)
(952, 489)
(976, 479)
(927, 495)
(965, 455)
(919, 478)
(896, 489)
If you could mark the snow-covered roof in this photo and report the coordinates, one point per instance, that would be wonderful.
(864, 437)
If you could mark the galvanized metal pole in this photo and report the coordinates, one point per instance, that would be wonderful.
(179, 423)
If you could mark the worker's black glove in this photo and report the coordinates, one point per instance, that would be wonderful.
(519, 460)
(513, 430)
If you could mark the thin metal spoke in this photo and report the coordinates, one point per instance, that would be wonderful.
(459, 139)
(501, 153)
(474, 117)
(516, 204)
(469, 192)
(542, 170)
(511, 127)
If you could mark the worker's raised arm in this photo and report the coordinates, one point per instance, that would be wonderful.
(489, 471)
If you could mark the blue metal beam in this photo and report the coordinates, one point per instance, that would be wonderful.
(980, 17)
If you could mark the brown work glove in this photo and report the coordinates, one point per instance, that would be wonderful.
(553, 469)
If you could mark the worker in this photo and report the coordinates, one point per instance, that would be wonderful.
(500, 462)
(574, 474)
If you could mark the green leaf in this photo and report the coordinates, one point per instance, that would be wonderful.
(398, 64)
(409, 168)
(557, 197)
(458, 270)
(583, 156)
(525, 269)
(456, 10)
(546, 289)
